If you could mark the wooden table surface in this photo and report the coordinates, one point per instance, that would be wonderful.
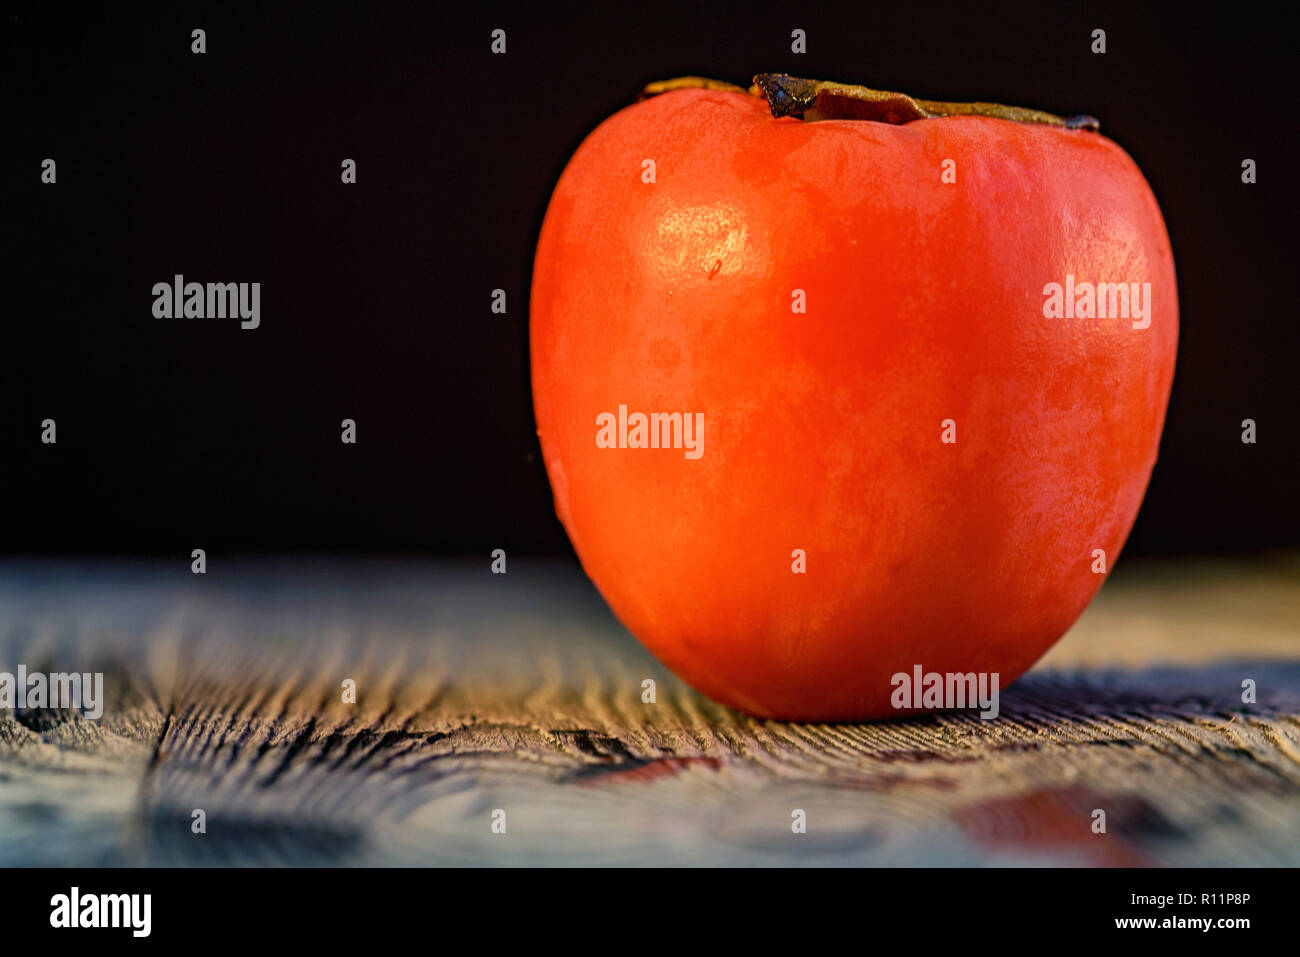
(521, 693)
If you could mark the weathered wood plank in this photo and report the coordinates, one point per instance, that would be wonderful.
(479, 692)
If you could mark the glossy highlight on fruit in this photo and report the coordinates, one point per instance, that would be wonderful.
(900, 325)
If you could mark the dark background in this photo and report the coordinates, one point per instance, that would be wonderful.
(375, 297)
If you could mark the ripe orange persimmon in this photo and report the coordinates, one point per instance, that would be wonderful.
(919, 356)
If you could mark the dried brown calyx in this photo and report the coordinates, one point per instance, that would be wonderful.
(821, 100)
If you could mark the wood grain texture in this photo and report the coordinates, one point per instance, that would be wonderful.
(521, 693)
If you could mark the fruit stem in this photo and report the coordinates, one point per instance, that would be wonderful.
(812, 100)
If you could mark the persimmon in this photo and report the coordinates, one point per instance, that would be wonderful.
(911, 454)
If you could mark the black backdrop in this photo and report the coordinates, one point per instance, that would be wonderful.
(375, 297)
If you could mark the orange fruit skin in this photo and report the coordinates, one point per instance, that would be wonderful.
(925, 302)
